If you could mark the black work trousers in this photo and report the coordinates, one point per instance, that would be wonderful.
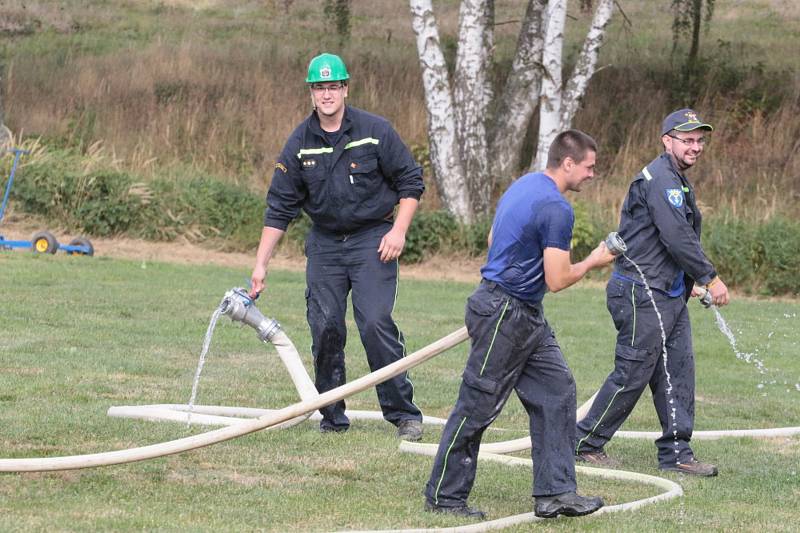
(513, 347)
(638, 362)
(337, 265)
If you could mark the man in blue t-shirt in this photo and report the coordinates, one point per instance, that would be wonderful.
(512, 345)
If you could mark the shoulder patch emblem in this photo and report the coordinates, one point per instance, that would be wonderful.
(309, 163)
(675, 197)
(280, 166)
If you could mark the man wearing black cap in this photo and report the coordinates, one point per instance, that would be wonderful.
(660, 223)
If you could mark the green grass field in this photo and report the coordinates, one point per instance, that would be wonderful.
(80, 335)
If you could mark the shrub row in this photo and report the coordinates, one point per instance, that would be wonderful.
(760, 258)
(757, 258)
(106, 202)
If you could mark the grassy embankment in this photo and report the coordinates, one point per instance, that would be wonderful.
(177, 91)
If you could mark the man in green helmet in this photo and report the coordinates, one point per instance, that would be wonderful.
(348, 170)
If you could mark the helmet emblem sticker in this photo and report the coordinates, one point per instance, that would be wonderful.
(325, 72)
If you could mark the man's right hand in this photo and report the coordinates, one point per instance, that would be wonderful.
(719, 292)
(600, 256)
(257, 281)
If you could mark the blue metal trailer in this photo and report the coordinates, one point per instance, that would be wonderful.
(43, 241)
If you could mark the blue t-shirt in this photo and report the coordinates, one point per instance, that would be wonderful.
(532, 215)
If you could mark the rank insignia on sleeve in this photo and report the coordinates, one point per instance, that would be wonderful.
(309, 163)
(675, 197)
(280, 166)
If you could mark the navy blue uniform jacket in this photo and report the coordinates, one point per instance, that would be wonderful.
(660, 224)
(344, 188)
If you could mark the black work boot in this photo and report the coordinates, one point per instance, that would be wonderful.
(327, 427)
(460, 510)
(409, 430)
(568, 504)
(692, 467)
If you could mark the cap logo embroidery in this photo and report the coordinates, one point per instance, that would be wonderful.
(692, 116)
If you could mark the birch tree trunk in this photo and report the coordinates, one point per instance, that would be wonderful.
(565, 102)
(550, 98)
(587, 61)
(519, 98)
(472, 95)
(468, 150)
(445, 158)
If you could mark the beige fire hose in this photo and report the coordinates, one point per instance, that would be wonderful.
(130, 455)
(671, 490)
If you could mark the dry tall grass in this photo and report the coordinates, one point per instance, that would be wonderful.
(221, 94)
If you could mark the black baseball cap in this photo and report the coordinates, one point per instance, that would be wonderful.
(684, 120)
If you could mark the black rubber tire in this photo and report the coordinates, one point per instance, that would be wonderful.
(82, 241)
(44, 243)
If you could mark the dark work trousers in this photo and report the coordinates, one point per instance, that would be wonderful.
(638, 362)
(513, 347)
(336, 265)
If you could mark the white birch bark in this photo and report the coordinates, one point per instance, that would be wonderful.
(520, 96)
(587, 61)
(445, 158)
(550, 99)
(472, 94)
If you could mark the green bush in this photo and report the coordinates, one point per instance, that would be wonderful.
(96, 203)
(733, 248)
(763, 258)
(428, 234)
(104, 203)
(586, 233)
(780, 271)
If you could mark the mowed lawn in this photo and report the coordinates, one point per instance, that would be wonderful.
(79, 335)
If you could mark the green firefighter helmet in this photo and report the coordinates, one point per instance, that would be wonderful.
(327, 67)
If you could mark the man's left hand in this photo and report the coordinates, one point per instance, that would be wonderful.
(392, 245)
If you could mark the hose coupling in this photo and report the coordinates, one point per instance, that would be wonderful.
(238, 305)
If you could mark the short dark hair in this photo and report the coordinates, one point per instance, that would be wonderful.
(570, 143)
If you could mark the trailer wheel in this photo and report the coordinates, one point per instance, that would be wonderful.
(44, 243)
(83, 243)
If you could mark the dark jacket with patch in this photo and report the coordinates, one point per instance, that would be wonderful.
(344, 188)
(660, 224)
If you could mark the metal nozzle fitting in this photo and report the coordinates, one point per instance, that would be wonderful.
(706, 299)
(240, 308)
(615, 244)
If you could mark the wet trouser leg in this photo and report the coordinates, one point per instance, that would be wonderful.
(326, 302)
(638, 362)
(512, 348)
(673, 445)
(546, 389)
(374, 286)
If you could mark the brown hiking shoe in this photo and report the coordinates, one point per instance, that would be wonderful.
(692, 467)
(596, 458)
